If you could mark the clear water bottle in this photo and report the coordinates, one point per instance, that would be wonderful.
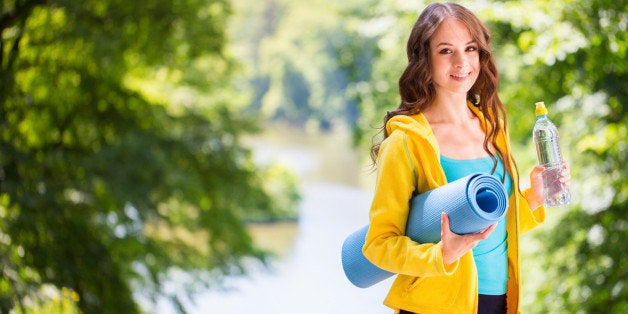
(545, 137)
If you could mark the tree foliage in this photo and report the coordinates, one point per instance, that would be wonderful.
(120, 158)
(302, 57)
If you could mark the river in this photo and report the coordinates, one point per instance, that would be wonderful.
(307, 277)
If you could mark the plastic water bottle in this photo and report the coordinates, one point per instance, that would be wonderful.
(545, 137)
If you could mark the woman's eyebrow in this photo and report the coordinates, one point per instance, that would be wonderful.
(449, 44)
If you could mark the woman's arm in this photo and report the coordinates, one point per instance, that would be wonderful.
(386, 244)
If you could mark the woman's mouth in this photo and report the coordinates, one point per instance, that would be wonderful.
(460, 76)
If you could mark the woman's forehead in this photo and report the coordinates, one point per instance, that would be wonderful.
(451, 32)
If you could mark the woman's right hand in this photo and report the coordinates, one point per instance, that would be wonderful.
(454, 246)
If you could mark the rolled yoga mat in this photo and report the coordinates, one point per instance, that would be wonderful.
(472, 203)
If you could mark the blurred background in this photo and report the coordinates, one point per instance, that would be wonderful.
(210, 156)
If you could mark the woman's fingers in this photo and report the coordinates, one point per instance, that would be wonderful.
(565, 175)
(444, 221)
(454, 246)
(486, 232)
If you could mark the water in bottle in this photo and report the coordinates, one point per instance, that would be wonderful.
(548, 154)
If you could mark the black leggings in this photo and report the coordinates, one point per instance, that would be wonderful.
(487, 304)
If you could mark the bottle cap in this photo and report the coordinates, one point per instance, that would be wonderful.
(540, 108)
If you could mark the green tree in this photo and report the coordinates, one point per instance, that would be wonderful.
(298, 56)
(121, 160)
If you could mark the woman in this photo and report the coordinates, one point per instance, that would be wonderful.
(449, 124)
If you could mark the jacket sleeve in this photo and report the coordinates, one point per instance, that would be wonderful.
(386, 244)
(528, 219)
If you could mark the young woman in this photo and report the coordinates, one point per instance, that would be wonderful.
(450, 123)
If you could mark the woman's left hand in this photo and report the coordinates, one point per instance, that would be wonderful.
(565, 175)
(535, 194)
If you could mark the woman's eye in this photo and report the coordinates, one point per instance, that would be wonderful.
(445, 51)
(472, 48)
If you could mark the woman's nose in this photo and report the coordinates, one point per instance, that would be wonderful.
(460, 60)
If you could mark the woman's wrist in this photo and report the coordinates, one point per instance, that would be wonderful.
(533, 199)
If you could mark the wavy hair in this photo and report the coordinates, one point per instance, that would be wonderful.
(416, 86)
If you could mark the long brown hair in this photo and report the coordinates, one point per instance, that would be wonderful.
(416, 87)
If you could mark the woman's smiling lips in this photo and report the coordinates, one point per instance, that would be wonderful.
(460, 77)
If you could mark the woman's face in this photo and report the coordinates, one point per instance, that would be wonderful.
(455, 58)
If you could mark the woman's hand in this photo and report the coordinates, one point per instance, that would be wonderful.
(535, 195)
(565, 175)
(454, 246)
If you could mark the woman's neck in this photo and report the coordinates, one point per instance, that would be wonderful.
(449, 111)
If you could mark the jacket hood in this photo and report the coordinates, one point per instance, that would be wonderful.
(409, 124)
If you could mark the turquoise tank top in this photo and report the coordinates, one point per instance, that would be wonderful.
(490, 255)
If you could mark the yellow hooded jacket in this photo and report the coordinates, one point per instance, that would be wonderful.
(408, 162)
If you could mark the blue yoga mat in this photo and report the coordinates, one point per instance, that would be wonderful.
(472, 204)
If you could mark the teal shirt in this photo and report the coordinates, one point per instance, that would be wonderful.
(490, 255)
